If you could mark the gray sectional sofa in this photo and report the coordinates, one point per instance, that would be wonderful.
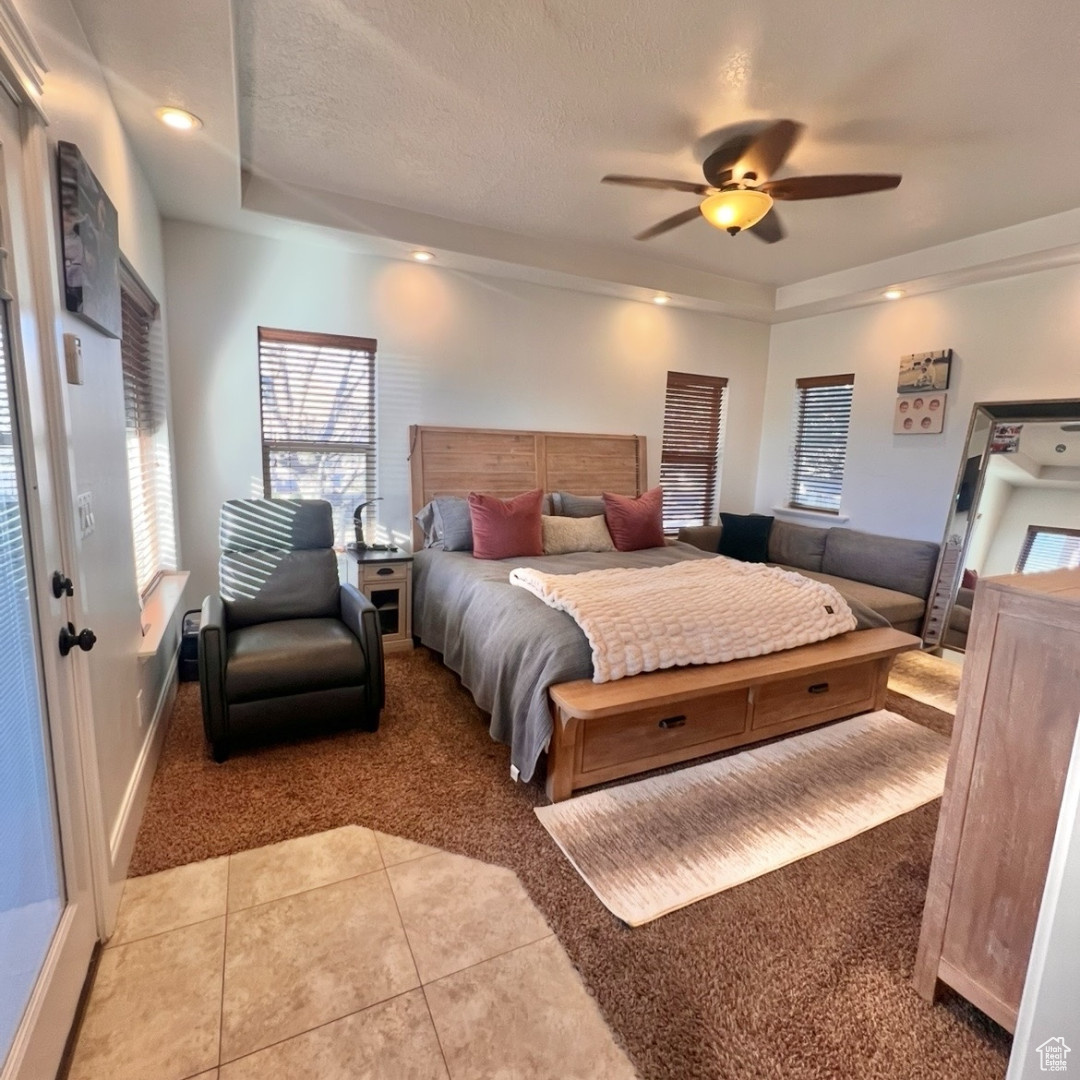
(889, 575)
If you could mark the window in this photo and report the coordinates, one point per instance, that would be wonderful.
(145, 416)
(821, 430)
(689, 459)
(318, 418)
(1048, 548)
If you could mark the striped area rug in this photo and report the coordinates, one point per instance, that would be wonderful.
(926, 678)
(653, 846)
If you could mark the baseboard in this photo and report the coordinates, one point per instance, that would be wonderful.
(122, 840)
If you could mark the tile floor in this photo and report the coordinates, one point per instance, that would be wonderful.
(346, 954)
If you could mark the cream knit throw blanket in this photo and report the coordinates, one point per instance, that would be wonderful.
(705, 611)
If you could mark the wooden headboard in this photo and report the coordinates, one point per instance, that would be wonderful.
(455, 461)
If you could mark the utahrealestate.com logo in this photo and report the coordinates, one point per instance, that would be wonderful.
(1052, 1055)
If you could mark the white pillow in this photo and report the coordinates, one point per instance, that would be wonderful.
(562, 535)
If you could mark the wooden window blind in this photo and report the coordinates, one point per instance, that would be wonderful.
(689, 458)
(822, 416)
(145, 420)
(1049, 548)
(318, 419)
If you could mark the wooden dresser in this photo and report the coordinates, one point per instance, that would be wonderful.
(1015, 724)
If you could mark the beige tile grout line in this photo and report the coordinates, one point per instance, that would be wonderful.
(416, 968)
(317, 1027)
(496, 956)
(224, 952)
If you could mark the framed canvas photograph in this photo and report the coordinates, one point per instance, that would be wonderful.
(90, 240)
(919, 414)
(924, 372)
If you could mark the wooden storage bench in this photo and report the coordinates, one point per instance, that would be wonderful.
(603, 731)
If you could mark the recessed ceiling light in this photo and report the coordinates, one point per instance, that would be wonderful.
(422, 256)
(178, 119)
(661, 298)
(893, 294)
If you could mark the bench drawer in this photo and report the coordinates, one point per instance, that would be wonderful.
(836, 691)
(657, 732)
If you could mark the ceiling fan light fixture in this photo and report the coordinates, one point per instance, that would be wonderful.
(736, 209)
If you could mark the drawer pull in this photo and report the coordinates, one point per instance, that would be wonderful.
(384, 570)
(819, 688)
(672, 722)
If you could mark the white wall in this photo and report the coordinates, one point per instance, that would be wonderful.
(80, 111)
(993, 498)
(1013, 340)
(453, 348)
(1029, 506)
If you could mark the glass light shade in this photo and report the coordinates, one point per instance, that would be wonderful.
(178, 119)
(736, 209)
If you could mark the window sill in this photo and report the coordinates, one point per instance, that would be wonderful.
(817, 517)
(158, 610)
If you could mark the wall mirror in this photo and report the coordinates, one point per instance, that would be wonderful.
(1015, 508)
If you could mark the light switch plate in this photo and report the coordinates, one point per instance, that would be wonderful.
(85, 507)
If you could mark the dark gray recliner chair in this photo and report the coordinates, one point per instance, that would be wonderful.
(285, 648)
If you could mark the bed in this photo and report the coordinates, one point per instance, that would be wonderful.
(529, 666)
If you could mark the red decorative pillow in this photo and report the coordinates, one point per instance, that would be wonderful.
(635, 523)
(503, 528)
(969, 580)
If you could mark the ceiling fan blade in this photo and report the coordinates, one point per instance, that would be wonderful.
(828, 187)
(769, 149)
(769, 228)
(657, 183)
(718, 165)
(669, 223)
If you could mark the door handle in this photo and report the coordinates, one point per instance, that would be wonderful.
(85, 639)
(62, 585)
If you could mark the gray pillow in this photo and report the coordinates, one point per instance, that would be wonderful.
(425, 518)
(453, 523)
(579, 506)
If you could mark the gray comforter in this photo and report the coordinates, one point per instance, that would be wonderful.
(507, 645)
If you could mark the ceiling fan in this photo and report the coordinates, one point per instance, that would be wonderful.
(738, 194)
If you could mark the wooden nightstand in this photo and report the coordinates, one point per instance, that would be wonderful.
(385, 578)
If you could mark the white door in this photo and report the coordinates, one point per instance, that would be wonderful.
(47, 916)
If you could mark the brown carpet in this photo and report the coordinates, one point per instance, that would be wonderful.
(803, 974)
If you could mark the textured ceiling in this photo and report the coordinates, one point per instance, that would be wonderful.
(506, 113)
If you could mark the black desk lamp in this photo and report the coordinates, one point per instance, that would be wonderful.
(358, 522)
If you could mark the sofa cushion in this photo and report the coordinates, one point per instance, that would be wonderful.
(800, 546)
(745, 536)
(291, 656)
(901, 609)
(704, 537)
(906, 566)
